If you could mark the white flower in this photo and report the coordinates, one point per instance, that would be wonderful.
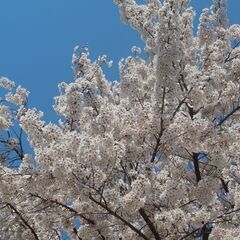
(19, 98)
(6, 83)
(5, 117)
(235, 31)
(136, 50)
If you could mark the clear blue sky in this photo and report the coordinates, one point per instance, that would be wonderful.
(38, 36)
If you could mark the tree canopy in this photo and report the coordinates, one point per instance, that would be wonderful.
(154, 155)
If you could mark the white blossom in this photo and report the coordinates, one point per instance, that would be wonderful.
(6, 83)
(19, 98)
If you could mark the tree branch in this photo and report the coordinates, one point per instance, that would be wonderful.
(66, 207)
(181, 103)
(162, 129)
(196, 166)
(111, 212)
(149, 223)
(156, 148)
(23, 220)
(227, 116)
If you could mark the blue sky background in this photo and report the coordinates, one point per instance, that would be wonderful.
(38, 37)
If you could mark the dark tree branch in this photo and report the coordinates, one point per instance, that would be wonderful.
(228, 58)
(196, 166)
(58, 235)
(101, 235)
(149, 223)
(162, 129)
(76, 233)
(202, 232)
(205, 232)
(111, 212)
(66, 207)
(228, 213)
(228, 116)
(189, 202)
(23, 220)
(189, 234)
(192, 111)
(225, 185)
(155, 150)
(181, 103)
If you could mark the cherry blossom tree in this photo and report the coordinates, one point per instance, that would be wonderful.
(152, 156)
